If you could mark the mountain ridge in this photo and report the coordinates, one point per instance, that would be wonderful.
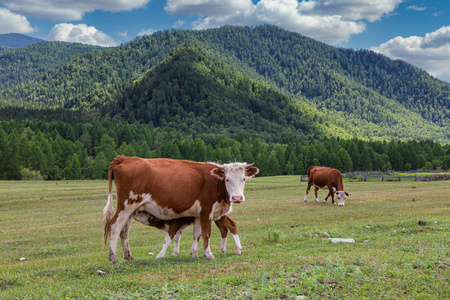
(368, 96)
(17, 40)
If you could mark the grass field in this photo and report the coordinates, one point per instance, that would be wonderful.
(56, 226)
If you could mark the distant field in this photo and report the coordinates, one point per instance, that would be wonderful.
(56, 227)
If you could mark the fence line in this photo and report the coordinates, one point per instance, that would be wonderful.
(387, 177)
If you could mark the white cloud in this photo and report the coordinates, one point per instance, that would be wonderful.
(417, 8)
(431, 52)
(350, 9)
(124, 34)
(13, 23)
(80, 34)
(330, 21)
(146, 32)
(178, 24)
(68, 9)
(206, 7)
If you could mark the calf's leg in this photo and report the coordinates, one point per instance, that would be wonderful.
(226, 224)
(197, 234)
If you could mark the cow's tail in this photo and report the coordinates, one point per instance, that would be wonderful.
(108, 211)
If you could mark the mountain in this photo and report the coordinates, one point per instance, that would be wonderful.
(193, 91)
(358, 92)
(16, 40)
(21, 65)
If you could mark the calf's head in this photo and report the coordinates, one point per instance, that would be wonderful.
(234, 176)
(341, 195)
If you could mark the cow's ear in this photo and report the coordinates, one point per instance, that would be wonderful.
(218, 172)
(347, 194)
(250, 172)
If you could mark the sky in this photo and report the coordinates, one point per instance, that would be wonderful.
(416, 31)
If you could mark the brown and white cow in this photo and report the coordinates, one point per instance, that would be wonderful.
(170, 189)
(326, 178)
(174, 228)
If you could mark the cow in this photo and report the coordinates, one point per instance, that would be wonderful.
(170, 189)
(326, 178)
(174, 228)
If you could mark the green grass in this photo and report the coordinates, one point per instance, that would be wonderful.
(57, 227)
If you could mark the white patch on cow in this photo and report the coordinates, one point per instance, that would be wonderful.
(320, 187)
(122, 219)
(237, 243)
(220, 209)
(177, 239)
(166, 244)
(164, 213)
(306, 198)
(334, 189)
(133, 196)
(223, 245)
(235, 180)
(208, 254)
(197, 234)
(341, 198)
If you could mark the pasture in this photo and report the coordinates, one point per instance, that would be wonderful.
(56, 226)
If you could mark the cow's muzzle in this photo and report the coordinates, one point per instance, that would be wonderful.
(237, 199)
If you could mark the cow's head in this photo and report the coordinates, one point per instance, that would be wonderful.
(341, 195)
(234, 176)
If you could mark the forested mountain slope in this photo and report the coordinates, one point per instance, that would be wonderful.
(362, 92)
(194, 92)
(21, 65)
(17, 40)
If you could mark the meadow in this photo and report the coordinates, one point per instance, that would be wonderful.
(55, 227)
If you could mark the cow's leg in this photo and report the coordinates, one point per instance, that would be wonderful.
(223, 233)
(307, 190)
(330, 192)
(231, 225)
(118, 222)
(177, 239)
(206, 233)
(315, 193)
(114, 238)
(124, 233)
(196, 238)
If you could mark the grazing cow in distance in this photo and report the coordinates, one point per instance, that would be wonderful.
(174, 228)
(326, 178)
(170, 189)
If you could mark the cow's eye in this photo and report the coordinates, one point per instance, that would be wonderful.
(243, 179)
(227, 180)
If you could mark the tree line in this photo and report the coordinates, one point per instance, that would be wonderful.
(59, 150)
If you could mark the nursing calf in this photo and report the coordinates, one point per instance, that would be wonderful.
(174, 228)
(170, 189)
(326, 178)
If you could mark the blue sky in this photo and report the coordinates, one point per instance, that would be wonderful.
(417, 31)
